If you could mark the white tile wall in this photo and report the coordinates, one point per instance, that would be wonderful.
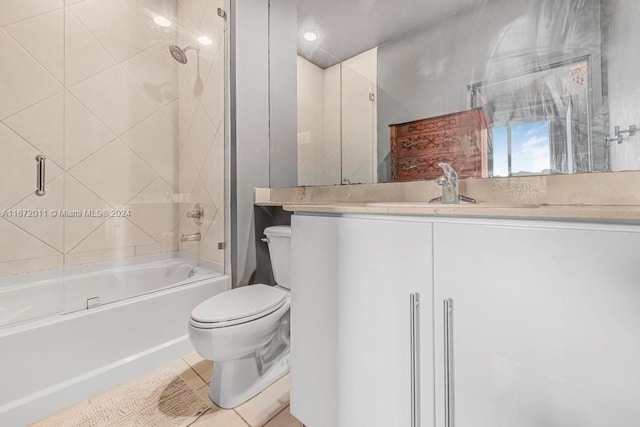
(311, 110)
(201, 129)
(25, 82)
(91, 85)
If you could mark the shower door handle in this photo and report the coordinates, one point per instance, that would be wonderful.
(414, 309)
(40, 175)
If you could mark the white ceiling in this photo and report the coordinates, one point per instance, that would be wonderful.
(349, 27)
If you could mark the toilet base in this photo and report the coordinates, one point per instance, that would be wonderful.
(236, 381)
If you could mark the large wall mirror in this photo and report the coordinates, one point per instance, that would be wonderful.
(499, 88)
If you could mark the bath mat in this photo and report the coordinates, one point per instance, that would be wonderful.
(159, 399)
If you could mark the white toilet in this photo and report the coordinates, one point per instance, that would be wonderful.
(245, 331)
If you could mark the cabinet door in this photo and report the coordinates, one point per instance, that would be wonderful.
(314, 317)
(545, 325)
(381, 262)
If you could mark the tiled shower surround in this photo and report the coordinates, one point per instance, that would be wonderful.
(91, 85)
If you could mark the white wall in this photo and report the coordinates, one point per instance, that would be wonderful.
(622, 35)
(283, 38)
(250, 155)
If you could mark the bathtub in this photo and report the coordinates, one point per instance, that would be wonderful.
(55, 351)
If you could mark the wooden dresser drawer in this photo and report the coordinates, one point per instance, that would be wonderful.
(426, 167)
(440, 123)
(459, 139)
(448, 140)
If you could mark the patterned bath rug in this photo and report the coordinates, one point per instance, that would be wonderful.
(159, 399)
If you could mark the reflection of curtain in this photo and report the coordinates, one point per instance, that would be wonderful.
(552, 95)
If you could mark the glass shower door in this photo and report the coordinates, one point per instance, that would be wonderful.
(31, 160)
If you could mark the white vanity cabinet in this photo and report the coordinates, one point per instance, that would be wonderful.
(314, 319)
(544, 325)
(362, 377)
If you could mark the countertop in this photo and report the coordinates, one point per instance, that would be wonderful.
(606, 213)
(601, 197)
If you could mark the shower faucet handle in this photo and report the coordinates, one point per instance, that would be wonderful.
(197, 214)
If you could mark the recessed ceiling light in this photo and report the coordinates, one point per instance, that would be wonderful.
(310, 36)
(162, 21)
(205, 41)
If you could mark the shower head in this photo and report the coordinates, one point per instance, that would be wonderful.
(180, 54)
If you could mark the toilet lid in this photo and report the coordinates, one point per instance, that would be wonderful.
(239, 303)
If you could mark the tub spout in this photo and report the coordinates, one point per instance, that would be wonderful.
(195, 237)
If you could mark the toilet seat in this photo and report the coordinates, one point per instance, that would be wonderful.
(239, 305)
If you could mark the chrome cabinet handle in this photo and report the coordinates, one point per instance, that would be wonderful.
(40, 175)
(448, 386)
(415, 358)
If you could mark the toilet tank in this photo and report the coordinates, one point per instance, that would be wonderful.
(279, 240)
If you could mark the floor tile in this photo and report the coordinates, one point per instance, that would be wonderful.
(192, 358)
(188, 374)
(284, 419)
(219, 418)
(204, 368)
(267, 404)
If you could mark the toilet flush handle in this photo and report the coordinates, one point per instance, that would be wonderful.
(266, 240)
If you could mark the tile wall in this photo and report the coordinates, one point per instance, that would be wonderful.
(90, 84)
(201, 129)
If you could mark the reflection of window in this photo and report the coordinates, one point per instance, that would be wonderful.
(551, 104)
(521, 149)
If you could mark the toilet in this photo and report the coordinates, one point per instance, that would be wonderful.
(245, 331)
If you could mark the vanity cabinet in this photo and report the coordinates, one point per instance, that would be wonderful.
(544, 324)
(362, 376)
(543, 327)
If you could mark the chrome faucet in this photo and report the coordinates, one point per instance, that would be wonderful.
(195, 237)
(449, 184)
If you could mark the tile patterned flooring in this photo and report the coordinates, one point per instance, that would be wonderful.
(270, 408)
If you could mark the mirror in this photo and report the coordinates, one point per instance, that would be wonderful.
(498, 88)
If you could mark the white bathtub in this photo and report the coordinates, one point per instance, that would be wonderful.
(60, 359)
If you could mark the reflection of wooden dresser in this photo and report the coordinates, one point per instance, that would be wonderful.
(459, 139)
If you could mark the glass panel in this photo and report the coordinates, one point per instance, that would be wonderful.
(202, 137)
(125, 102)
(145, 145)
(31, 113)
(121, 149)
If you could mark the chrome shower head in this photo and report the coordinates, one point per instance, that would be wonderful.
(180, 54)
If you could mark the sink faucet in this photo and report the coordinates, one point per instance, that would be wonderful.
(449, 184)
